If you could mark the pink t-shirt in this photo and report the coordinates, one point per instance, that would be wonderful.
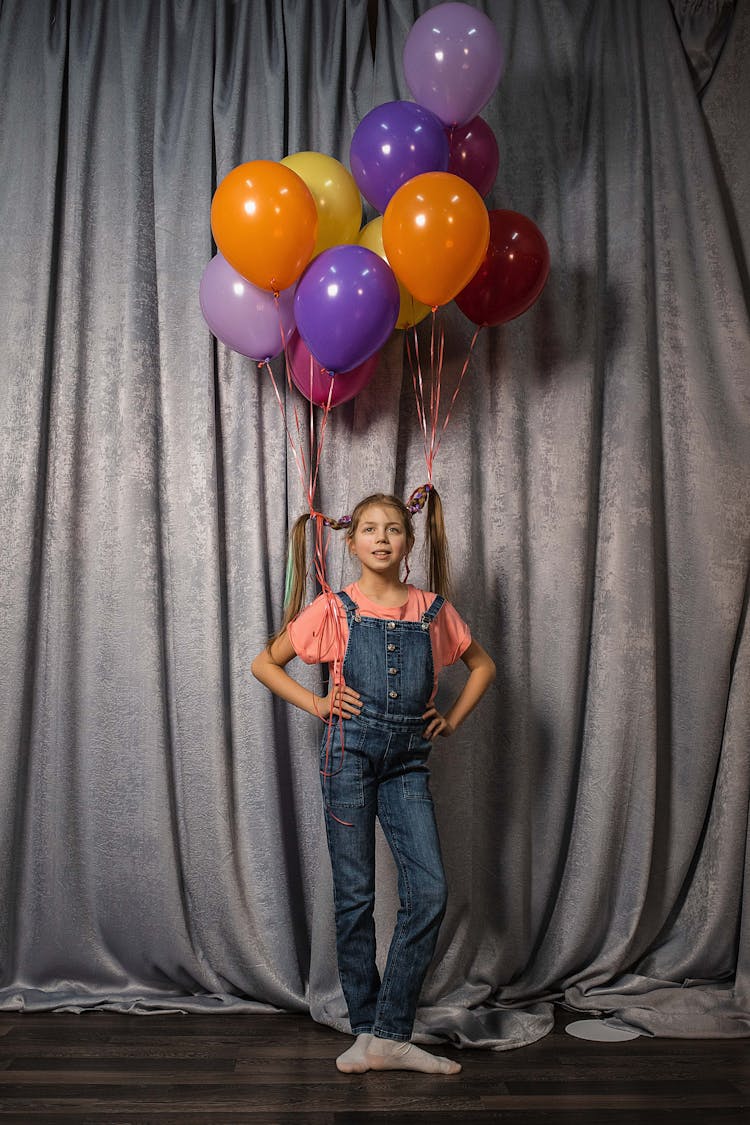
(318, 637)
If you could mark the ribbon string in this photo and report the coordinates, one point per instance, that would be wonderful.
(308, 469)
(428, 405)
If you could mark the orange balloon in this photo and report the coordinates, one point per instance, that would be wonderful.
(265, 222)
(436, 230)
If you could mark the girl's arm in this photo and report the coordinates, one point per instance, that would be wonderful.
(481, 674)
(269, 667)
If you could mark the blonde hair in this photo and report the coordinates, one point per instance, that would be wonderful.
(436, 544)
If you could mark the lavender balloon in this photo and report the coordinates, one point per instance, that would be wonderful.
(393, 143)
(346, 306)
(242, 316)
(453, 59)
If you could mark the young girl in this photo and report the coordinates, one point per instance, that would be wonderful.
(385, 642)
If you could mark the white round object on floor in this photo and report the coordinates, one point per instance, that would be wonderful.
(599, 1031)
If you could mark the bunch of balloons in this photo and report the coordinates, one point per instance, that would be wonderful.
(294, 272)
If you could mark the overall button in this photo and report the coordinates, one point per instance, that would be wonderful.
(392, 671)
(391, 648)
(391, 624)
(393, 694)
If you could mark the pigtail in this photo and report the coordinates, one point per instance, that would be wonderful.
(438, 562)
(436, 540)
(296, 574)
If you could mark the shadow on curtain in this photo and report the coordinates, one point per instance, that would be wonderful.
(161, 812)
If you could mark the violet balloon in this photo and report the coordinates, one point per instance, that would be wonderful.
(474, 154)
(346, 306)
(241, 315)
(453, 60)
(346, 385)
(393, 143)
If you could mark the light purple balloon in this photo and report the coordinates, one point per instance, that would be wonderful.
(241, 315)
(393, 143)
(346, 306)
(453, 59)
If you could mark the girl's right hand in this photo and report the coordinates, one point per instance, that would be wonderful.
(341, 700)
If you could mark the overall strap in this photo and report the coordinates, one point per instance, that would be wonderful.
(350, 606)
(432, 611)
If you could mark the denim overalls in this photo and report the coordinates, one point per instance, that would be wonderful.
(383, 772)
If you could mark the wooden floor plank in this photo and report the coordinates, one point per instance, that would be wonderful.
(267, 1069)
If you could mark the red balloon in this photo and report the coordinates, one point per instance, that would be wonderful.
(511, 277)
(473, 154)
(346, 385)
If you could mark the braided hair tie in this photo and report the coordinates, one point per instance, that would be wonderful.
(328, 521)
(418, 498)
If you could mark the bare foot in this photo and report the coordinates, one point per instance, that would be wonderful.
(353, 1060)
(388, 1054)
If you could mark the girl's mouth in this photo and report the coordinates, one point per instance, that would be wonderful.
(382, 554)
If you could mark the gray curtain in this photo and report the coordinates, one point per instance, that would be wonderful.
(159, 811)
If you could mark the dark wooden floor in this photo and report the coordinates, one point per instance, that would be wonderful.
(279, 1070)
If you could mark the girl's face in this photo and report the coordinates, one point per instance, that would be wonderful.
(380, 541)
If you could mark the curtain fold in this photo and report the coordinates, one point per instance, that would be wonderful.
(160, 810)
(704, 26)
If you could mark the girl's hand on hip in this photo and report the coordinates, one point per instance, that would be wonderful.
(341, 700)
(437, 725)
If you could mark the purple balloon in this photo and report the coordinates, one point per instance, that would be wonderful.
(346, 306)
(453, 59)
(346, 385)
(242, 316)
(474, 154)
(393, 143)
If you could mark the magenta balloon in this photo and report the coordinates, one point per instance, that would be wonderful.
(242, 316)
(345, 385)
(346, 306)
(453, 59)
(393, 143)
(474, 154)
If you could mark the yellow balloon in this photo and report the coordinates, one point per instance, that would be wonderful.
(411, 310)
(336, 196)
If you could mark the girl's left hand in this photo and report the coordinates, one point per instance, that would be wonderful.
(437, 725)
